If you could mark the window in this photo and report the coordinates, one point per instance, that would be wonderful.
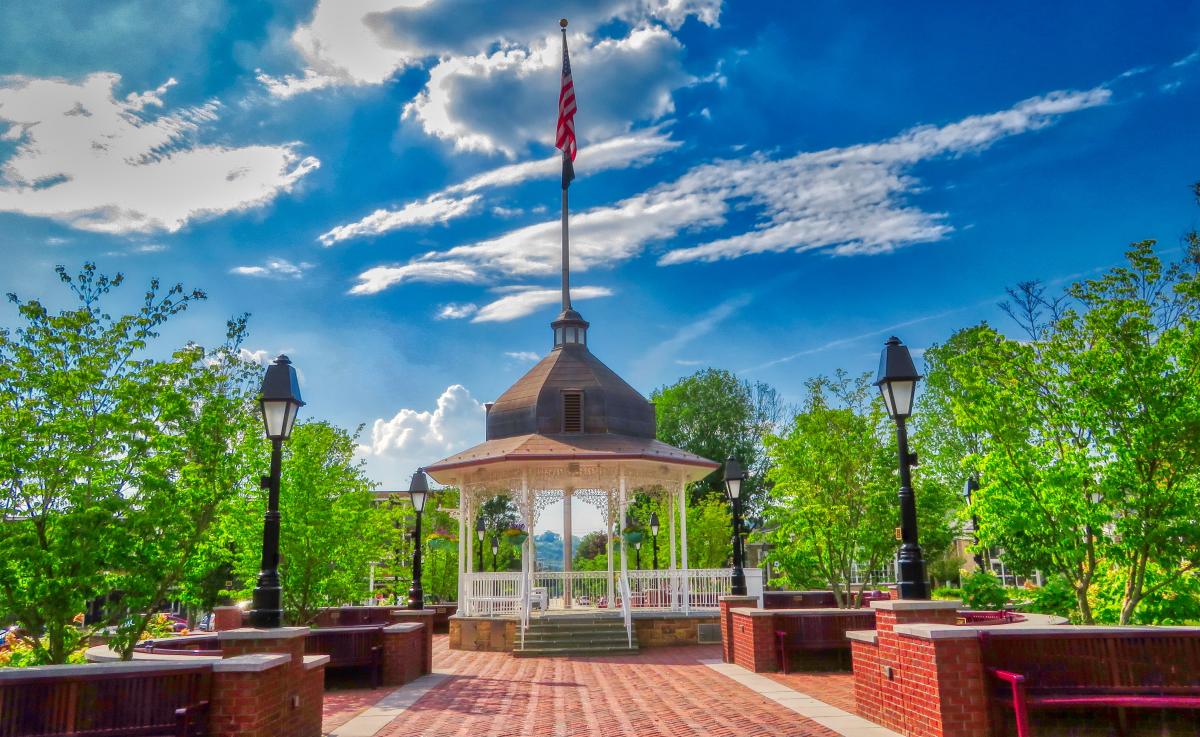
(573, 411)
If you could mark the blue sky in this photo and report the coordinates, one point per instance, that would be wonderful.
(767, 187)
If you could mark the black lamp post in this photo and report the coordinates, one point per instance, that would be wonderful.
(734, 476)
(480, 531)
(279, 404)
(637, 555)
(969, 489)
(897, 382)
(495, 549)
(418, 492)
(654, 537)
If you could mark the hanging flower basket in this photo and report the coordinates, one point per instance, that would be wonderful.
(516, 536)
(441, 541)
(633, 537)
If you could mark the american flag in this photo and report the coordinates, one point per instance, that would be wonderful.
(564, 138)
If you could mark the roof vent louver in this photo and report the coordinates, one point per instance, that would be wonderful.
(573, 411)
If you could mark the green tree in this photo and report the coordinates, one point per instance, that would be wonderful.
(1089, 455)
(710, 534)
(714, 414)
(91, 438)
(331, 530)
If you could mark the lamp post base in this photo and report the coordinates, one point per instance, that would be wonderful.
(267, 611)
(738, 583)
(416, 598)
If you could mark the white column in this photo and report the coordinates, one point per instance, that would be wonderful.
(687, 597)
(608, 534)
(469, 527)
(671, 532)
(463, 542)
(567, 593)
(620, 526)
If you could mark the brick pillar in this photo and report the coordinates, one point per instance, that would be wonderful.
(754, 639)
(403, 653)
(295, 701)
(425, 617)
(727, 603)
(248, 696)
(925, 676)
(226, 618)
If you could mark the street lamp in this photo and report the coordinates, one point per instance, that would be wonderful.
(734, 476)
(969, 489)
(279, 403)
(637, 555)
(897, 382)
(480, 531)
(654, 537)
(418, 492)
(495, 549)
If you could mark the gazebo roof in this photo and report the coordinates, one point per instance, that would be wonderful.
(572, 447)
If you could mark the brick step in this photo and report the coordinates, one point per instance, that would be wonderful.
(619, 638)
(573, 625)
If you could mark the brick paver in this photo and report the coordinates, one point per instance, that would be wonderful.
(835, 688)
(663, 692)
(342, 705)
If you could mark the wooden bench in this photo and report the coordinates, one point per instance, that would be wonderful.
(349, 647)
(112, 700)
(1134, 668)
(818, 630)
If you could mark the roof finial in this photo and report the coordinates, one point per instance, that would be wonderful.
(563, 24)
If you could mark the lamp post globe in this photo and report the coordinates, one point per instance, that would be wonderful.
(418, 493)
(480, 533)
(734, 476)
(654, 528)
(495, 550)
(897, 382)
(279, 404)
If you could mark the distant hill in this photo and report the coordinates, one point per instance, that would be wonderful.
(549, 547)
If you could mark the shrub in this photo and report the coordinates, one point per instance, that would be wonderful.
(982, 590)
(947, 593)
(1057, 596)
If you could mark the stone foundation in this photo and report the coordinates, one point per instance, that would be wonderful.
(482, 634)
(668, 630)
(499, 635)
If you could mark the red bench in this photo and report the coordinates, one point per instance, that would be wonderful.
(119, 700)
(348, 647)
(818, 630)
(1077, 669)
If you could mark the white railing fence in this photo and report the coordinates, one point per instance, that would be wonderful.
(492, 594)
(626, 597)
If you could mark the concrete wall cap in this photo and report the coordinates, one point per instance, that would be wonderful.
(401, 627)
(92, 669)
(413, 612)
(752, 612)
(1082, 629)
(821, 612)
(871, 637)
(105, 654)
(937, 631)
(252, 663)
(350, 628)
(907, 605)
(250, 633)
(738, 598)
(315, 661)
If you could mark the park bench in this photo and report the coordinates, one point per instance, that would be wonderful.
(1077, 669)
(355, 647)
(818, 630)
(114, 700)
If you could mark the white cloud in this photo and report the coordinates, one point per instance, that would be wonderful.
(99, 163)
(850, 200)
(497, 102)
(522, 355)
(361, 42)
(522, 301)
(630, 150)
(274, 268)
(456, 311)
(414, 438)
(434, 209)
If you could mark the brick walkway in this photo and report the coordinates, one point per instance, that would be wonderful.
(835, 688)
(663, 692)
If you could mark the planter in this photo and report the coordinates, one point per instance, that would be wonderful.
(440, 543)
(633, 537)
(517, 539)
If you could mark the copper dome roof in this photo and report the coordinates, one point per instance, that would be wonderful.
(535, 404)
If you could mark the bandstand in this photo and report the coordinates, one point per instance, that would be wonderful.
(571, 428)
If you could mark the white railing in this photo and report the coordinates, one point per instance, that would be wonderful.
(492, 594)
(626, 597)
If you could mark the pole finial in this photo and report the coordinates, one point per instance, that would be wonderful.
(563, 24)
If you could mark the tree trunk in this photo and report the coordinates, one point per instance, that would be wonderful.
(1085, 608)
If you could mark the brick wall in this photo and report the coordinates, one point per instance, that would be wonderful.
(226, 618)
(924, 683)
(404, 653)
(426, 618)
(285, 697)
(754, 640)
(727, 603)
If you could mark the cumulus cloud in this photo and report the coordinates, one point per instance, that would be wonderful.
(521, 301)
(101, 163)
(274, 268)
(631, 150)
(496, 102)
(848, 200)
(414, 438)
(522, 355)
(361, 42)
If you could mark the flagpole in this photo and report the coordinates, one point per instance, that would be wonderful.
(566, 251)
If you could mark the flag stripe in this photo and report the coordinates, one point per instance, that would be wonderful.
(564, 136)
